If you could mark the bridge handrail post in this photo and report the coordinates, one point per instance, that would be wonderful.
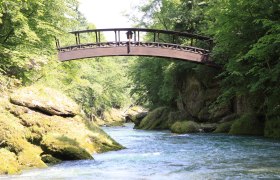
(57, 43)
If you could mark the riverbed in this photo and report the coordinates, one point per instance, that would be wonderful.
(163, 155)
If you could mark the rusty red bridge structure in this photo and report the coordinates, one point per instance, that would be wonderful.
(168, 44)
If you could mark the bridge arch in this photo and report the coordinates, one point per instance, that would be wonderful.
(135, 46)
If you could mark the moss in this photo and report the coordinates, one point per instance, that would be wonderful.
(63, 148)
(224, 127)
(272, 128)
(30, 138)
(100, 139)
(30, 157)
(175, 116)
(45, 100)
(9, 163)
(156, 119)
(247, 124)
(49, 159)
(182, 127)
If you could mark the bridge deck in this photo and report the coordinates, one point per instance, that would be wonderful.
(135, 47)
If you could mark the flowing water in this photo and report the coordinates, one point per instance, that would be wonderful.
(162, 155)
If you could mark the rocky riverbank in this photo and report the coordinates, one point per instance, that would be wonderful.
(163, 118)
(194, 112)
(41, 126)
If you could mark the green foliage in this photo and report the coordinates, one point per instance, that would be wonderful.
(27, 30)
(247, 44)
(155, 78)
(95, 84)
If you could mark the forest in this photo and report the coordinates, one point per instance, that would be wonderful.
(241, 96)
(246, 46)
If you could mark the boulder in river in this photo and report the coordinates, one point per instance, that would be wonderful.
(183, 127)
(156, 119)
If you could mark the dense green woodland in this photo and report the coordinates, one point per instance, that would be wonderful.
(28, 55)
(246, 36)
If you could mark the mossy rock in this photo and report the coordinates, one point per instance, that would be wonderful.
(155, 120)
(113, 117)
(64, 148)
(183, 127)
(175, 116)
(45, 100)
(9, 163)
(272, 128)
(49, 159)
(208, 127)
(247, 124)
(224, 127)
(30, 137)
(30, 157)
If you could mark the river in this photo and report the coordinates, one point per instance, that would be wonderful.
(162, 155)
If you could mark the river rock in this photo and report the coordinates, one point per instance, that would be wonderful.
(156, 119)
(45, 100)
(63, 147)
(224, 127)
(183, 127)
(208, 127)
(135, 113)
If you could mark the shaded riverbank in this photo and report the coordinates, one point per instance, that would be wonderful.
(163, 155)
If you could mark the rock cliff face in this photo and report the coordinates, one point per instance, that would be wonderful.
(40, 126)
(193, 113)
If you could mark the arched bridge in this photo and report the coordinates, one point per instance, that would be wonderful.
(169, 44)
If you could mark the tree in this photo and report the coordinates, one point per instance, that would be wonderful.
(247, 42)
(27, 30)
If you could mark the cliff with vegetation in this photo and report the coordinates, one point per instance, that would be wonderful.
(240, 97)
(41, 126)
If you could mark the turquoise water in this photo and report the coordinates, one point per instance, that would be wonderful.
(163, 155)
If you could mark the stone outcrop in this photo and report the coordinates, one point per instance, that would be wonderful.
(38, 126)
(135, 114)
(117, 117)
(156, 119)
(195, 98)
(113, 117)
(45, 100)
